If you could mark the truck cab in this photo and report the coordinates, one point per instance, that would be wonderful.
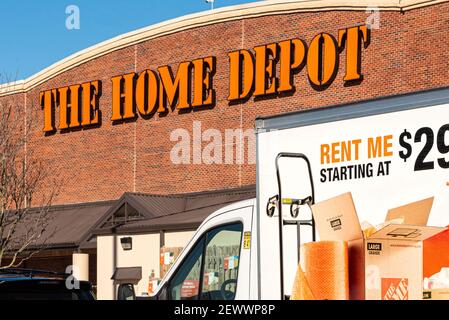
(220, 261)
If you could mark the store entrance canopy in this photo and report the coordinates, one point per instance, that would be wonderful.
(127, 274)
(137, 213)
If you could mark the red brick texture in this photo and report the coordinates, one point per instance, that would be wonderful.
(408, 53)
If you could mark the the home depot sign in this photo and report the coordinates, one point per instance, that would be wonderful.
(264, 71)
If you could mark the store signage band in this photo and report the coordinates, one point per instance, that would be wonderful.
(265, 71)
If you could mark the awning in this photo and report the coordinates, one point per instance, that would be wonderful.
(152, 213)
(67, 226)
(127, 274)
(178, 221)
(77, 225)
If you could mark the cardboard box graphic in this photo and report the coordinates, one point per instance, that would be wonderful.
(401, 255)
(416, 213)
(388, 264)
(336, 220)
(436, 262)
(433, 261)
(437, 294)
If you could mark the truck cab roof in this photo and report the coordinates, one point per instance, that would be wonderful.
(231, 207)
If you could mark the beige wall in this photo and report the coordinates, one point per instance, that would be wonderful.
(178, 239)
(105, 268)
(145, 254)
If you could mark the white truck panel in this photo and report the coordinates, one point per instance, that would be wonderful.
(372, 196)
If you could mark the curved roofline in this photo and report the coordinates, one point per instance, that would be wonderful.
(244, 11)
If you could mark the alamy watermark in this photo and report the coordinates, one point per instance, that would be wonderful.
(72, 282)
(73, 20)
(373, 20)
(212, 146)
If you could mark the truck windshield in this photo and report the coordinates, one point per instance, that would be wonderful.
(185, 283)
(213, 263)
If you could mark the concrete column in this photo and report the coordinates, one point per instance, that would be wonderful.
(81, 266)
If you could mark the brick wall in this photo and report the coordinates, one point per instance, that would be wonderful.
(408, 53)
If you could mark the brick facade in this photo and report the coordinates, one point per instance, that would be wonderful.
(408, 53)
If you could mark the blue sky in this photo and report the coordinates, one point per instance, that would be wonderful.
(34, 33)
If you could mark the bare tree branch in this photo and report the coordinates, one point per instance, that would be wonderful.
(23, 178)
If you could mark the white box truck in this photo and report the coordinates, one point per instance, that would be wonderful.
(386, 152)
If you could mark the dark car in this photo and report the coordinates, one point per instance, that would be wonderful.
(21, 284)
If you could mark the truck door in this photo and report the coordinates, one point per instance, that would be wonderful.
(215, 264)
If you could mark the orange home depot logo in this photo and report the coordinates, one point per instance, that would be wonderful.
(394, 289)
(264, 71)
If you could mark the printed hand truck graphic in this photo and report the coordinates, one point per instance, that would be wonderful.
(278, 201)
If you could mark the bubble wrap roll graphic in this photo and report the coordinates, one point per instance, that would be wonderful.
(325, 265)
(301, 289)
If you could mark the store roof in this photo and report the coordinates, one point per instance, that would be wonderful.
(179, 221)
(76, 225)
(66, 226)
(149, 213)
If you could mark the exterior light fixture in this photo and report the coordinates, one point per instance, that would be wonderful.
(127, 243)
